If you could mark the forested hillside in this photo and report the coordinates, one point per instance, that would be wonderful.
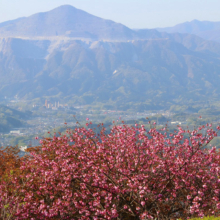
(10, 118)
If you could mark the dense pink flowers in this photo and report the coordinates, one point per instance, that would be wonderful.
(127, 174)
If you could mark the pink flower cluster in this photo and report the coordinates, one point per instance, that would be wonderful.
(129, 173)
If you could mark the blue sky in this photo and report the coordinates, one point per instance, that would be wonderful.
(132, 13)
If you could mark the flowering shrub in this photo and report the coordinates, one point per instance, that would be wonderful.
(127, 174)
(9, 165)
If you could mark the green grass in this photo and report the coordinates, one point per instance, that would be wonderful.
(207, 218)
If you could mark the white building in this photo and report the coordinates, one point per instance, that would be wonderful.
(15, 132)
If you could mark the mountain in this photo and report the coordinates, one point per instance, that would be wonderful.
(160, 70)
(69, 54)
(66, 21)
(204, 29)
(11, 118)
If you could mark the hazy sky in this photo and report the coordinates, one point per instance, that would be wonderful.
(132, 13)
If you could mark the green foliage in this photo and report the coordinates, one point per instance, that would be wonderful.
(215, 142)
(207, 218)
(183, 108)
(11, 118)
(209, 111)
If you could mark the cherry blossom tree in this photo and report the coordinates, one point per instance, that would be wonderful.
(129, 173)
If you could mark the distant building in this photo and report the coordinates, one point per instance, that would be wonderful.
(15, 132)
(23, 148)
(177, 122)
(46, 103)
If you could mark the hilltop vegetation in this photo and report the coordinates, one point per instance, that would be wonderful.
(11, 118)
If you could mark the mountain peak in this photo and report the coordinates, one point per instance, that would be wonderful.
(68, 21)
(195, 21)
(65, 8)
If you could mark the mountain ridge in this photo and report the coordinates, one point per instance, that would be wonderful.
(104, 71)
(204, 29)
(109, 63)
(66, 21)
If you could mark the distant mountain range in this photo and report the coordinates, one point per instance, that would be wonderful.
(69, 53)
(204, 29)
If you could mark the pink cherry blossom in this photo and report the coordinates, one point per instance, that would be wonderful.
(128, 173)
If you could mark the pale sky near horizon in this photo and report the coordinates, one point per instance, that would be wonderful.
(132, 13)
